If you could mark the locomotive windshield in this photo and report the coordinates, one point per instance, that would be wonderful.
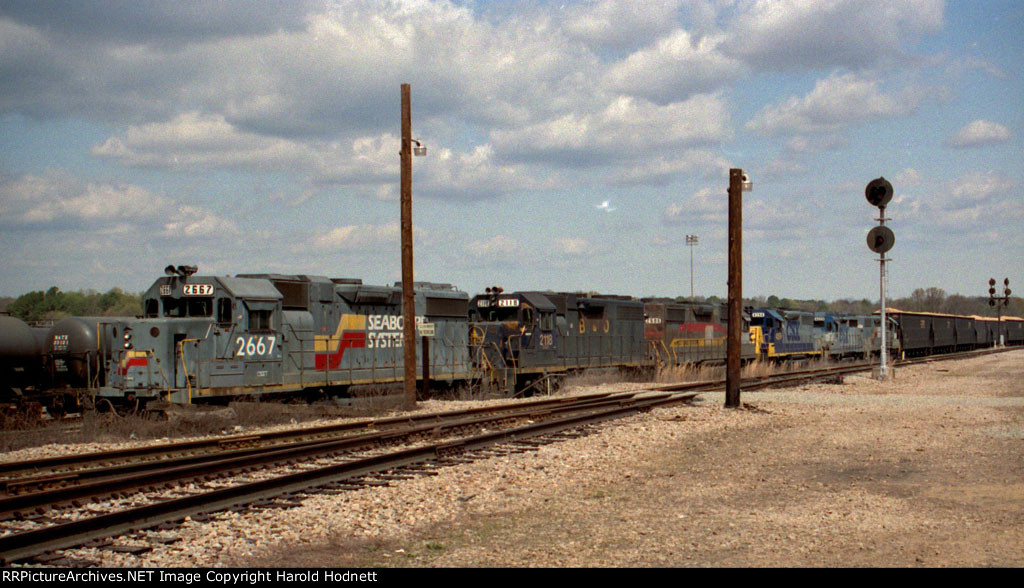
(499, 314)
(188, 307)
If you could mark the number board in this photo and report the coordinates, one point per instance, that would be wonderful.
(197, 289)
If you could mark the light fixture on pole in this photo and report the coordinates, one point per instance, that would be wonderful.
(408, 295)
(691, 242)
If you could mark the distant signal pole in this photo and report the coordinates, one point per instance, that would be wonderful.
(691, 242)
(999, 302)
(881, 239)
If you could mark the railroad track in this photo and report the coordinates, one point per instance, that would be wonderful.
(22, 473)
(64, 531)
(55, 499)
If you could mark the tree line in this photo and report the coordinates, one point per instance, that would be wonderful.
(53, 305)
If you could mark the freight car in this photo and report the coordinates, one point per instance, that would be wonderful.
(1013, 330)
(927, 333)
(21, 360)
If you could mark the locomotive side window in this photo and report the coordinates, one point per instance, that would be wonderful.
(224, 310)
(259, 320)
(152, 309)
(528, 316)
(546, 321)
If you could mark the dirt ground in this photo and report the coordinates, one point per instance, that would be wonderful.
(927, 470)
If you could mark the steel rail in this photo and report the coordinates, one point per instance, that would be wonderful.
(19, 468)
(150, 474)
(24, 545)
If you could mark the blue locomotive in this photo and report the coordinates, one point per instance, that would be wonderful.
(781, 334)
(260, 334)
(522, 339)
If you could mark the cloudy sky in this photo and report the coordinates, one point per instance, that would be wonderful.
(263, 137)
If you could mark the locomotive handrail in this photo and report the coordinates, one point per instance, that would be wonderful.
(184, 366)
(291, 356)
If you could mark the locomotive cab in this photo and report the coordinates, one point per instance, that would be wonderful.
(518, 327)
(197, 333)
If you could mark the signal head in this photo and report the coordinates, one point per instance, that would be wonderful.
(878, 192)
(881, 239)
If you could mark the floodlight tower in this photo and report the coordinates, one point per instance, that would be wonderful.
(691, 242)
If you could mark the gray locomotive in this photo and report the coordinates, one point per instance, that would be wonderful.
(216, 337)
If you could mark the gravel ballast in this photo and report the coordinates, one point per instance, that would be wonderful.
(924, 470)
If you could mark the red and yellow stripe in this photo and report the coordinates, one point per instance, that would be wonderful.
(350, 334)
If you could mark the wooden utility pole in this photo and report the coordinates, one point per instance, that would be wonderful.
(408, 296)
(732, 364)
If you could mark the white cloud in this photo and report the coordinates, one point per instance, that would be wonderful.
(659, 169)
(471, 176)
(975, 186)
(498, 245)
(816, 144)
(802, 34)
(618, 23)
(908, 178)
(675, 68)
(979, 133)
(192, 221)
(205, 141)
(573, 246)
(58, 200)
(194, 140)
(974, 202)
(706, 207)
(835, 102)
(626, 127)
(358, 237)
